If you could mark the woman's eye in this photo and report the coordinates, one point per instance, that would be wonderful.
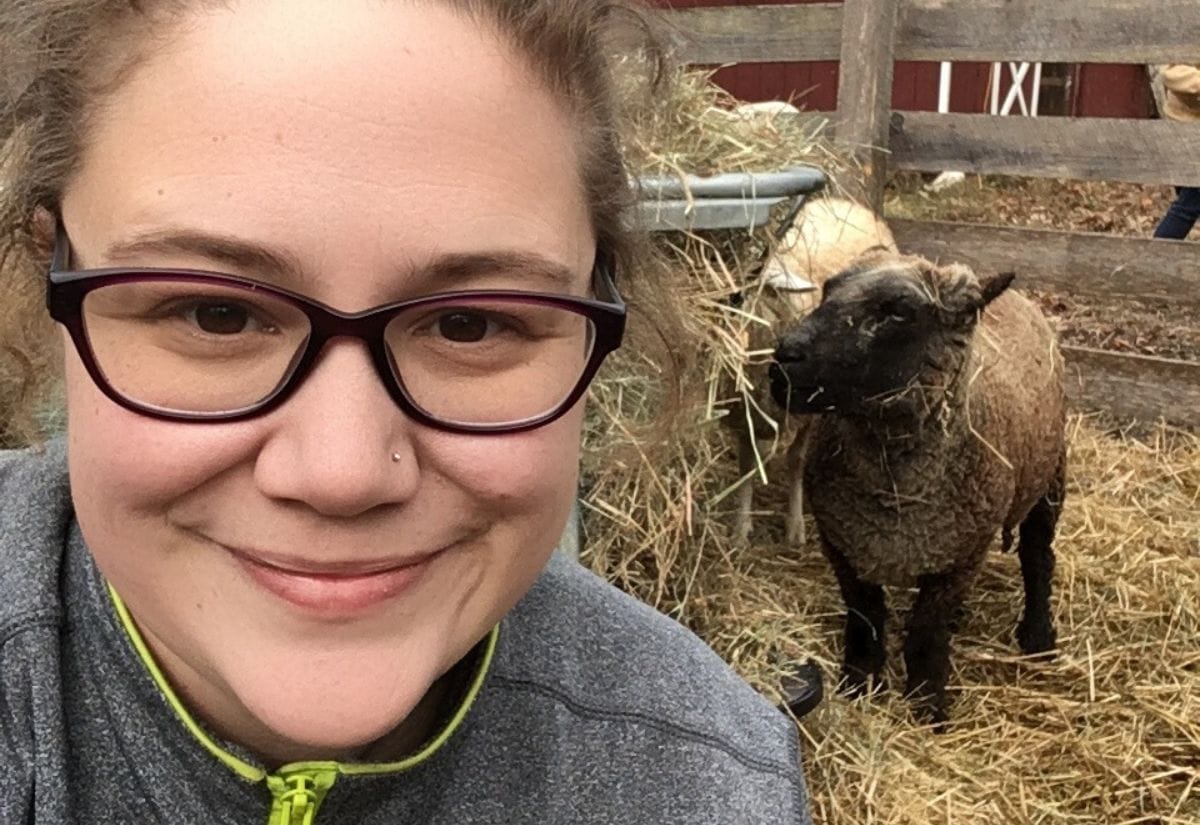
(223, 318)
(464, 327)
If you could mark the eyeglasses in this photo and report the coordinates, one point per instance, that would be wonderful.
(184, 345)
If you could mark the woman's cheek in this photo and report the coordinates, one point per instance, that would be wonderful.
(125, 463)
(516, 472)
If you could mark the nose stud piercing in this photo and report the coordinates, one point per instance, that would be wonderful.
(396, 457)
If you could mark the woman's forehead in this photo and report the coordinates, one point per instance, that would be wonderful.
(359, 128)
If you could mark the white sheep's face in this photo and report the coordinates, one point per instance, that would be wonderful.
(882, 326)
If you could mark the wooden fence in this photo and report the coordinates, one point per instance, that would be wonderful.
(868, 36)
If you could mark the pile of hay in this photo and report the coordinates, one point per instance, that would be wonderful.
(1107, 733)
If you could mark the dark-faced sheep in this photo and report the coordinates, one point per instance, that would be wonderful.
(826, 235)
(942, 425)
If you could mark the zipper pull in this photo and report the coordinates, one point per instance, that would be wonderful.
(296, 795)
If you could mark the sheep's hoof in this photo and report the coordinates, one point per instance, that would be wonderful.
(855, 683)
(958, 618)
(933, 711)
(1037, 639)
(797, 533)
(938, 720)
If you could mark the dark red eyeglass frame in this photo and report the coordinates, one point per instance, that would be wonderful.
(66, 290)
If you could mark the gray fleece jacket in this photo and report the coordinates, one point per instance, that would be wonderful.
(590, 708)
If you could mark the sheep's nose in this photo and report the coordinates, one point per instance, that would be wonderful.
(792, 347)
(789, 364)
(789, 353)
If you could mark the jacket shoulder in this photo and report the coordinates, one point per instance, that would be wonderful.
(35, 508)
(609, 655)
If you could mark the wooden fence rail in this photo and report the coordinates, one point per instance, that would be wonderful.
(1133, 386)
(1064, 31)
(1080, 263)
(1134, 151)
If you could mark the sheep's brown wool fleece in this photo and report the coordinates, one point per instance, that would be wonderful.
(903, 503)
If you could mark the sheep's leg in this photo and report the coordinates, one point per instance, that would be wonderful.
(797, 534)
(866, 615)
(927, 643)
(1035, 632)
(958, 618)
(747, 470)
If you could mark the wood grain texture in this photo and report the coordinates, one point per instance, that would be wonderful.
(1136, 151)
(1134, 387)
(865, 89)
(754, 34)
(1064, 31)
(1078, 263)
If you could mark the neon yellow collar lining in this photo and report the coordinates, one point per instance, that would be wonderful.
(254, 774)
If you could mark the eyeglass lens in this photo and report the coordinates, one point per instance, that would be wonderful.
(192, 347)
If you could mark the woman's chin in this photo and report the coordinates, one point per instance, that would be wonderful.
(336, 720)
(339, 736)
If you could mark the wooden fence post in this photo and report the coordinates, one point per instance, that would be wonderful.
(865, 88)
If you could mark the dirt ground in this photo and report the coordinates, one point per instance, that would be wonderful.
(1146, 328)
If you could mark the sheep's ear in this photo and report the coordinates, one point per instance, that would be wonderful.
(782, 278)
(991, 287)
(963, 293)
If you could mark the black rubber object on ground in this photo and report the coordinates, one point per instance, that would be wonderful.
(803, 688)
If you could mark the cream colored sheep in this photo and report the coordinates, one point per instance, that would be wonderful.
(761, 112)
(826, 236)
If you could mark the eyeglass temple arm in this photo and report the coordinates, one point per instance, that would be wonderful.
(606, 282)
(60, 260)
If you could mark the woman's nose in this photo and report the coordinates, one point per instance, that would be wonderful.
(340, 445)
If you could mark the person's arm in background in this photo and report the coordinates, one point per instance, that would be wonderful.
(1182, 78)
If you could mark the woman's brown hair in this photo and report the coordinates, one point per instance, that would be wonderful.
(58, 58)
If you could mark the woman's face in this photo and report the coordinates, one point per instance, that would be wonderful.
(363, 142)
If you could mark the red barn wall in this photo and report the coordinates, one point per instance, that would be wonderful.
(1098, 90)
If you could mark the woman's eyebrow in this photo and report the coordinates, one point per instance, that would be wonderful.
(464, 267)
(245, 256)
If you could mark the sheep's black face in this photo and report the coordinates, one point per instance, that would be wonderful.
(868, 341)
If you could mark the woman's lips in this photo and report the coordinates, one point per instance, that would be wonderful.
(332, 590)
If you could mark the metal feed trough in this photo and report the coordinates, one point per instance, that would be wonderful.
(737, 200)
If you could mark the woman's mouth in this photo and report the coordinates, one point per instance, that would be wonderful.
(332, 589)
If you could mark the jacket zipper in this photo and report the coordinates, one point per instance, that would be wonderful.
(296, 795)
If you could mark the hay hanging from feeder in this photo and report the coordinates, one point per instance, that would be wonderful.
(657, 505)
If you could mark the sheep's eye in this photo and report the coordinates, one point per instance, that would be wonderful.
(896, 311)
